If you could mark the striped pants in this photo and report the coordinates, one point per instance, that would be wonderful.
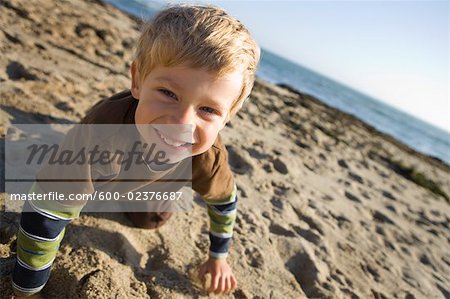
(40, 233)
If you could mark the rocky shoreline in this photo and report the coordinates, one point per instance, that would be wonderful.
(329, 207)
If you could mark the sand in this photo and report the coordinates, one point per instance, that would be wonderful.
(329, 207)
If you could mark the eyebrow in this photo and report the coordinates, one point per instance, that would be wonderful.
(172, 83)
(169, 81)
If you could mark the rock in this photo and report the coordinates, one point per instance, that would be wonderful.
(352, 197)
(380, 217)
(276, 152)
(128, 43)
(280, 166)
(277, 202)
(64, 107)
(17, 71)
(342, 163)
(391, 208)
(267, 167)
(356, 177)
(322, 156)
(241, 294)
(388, 195)
(302, 145)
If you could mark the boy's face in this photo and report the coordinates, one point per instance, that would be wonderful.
(193, 99)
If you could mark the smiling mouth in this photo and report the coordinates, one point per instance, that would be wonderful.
(173, 143)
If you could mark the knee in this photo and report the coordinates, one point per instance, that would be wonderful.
(148, 220)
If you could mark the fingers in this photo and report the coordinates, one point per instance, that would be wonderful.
(227, 284)
(222, 278)
(233, 282)
(214, 283)
(221, 285)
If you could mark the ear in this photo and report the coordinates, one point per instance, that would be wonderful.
(134, 81)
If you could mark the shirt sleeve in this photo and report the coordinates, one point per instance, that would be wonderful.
(214, 181)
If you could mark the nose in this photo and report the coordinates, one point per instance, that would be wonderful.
(184, 123)
(184, 116)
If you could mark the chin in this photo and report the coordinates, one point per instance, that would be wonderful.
(199, 151)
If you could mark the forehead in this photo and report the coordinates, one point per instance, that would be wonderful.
(185, 73)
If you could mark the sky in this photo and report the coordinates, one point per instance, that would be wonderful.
(394, 51)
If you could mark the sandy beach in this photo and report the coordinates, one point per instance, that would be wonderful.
(328, 206)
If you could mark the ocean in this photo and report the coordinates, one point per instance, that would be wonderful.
(417, 134)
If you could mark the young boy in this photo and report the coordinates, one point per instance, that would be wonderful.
(194, 66)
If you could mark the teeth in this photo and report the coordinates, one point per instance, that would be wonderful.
(170, 141)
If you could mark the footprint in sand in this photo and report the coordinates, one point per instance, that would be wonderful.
(365, 194)
(308, 235)
(313, 224)
(242, 190)
(355, 177)
(156, 259)
(444, 291)
(307, 271)
(254, 153)
(327, 197)
(434, 232)
(378, 294)
(372, 270)
(254, 257)
(342, 221)
(236, 158)
(280, 189)
(381, 218)
(281, 231)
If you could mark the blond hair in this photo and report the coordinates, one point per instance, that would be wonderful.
(199, 36)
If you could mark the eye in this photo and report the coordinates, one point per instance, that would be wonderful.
(209, 110)
(168, 93)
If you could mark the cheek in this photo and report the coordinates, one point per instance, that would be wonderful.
(210, 134)
(147, 110)
(143, 113)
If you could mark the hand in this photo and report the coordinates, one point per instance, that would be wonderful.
(222, 278)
